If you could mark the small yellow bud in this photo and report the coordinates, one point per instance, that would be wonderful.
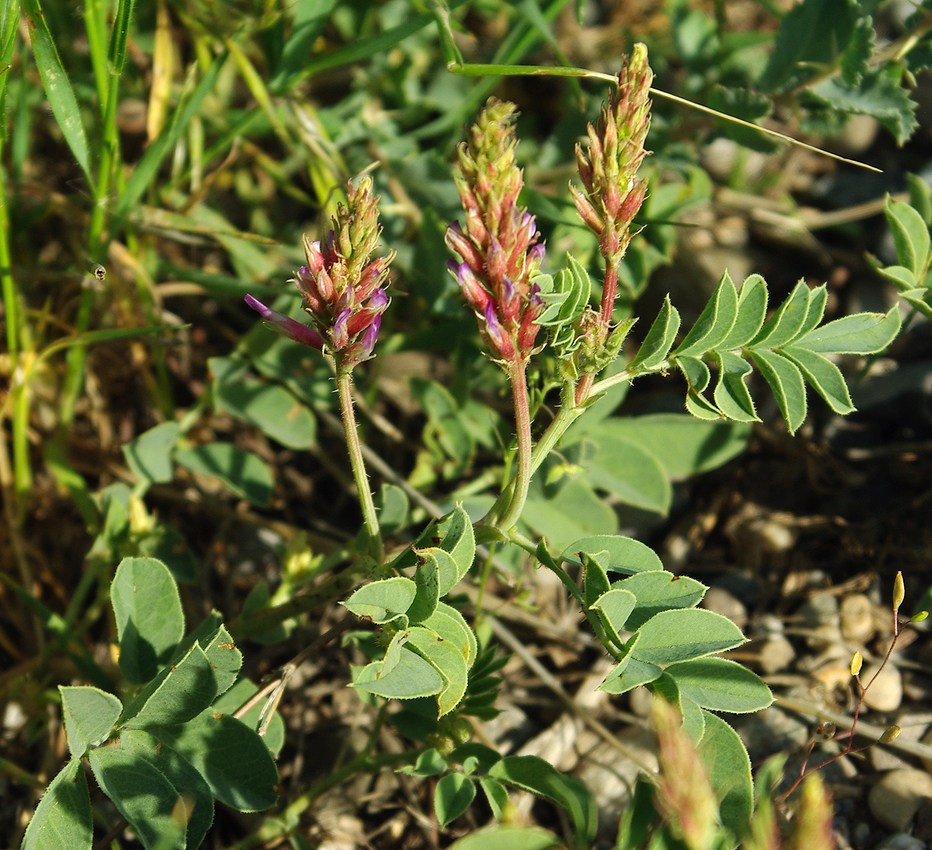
(856, 661)
(899, 592)
(919, 616)
(890, 734)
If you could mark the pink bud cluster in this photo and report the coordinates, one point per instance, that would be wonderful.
(499, 244)
(341, 286)
(614, 151)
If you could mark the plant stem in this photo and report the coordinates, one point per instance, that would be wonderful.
(517, 372)
(354, 447)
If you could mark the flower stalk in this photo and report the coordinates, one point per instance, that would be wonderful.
(612, 195)
(500, 252)
(343, 291)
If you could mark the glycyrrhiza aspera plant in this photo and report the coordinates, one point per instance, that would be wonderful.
(420, 640)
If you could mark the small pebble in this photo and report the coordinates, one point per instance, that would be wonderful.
(886, 692)
(818, 616)
(722, 602)
(857, 618)
(898, 796)
(776, 653)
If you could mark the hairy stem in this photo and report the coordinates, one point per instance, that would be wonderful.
(354, 447)
(518, 374)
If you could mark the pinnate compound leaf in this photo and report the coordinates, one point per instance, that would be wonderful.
(185, 692)
(63, 816)
(89, 715)
(615, 553)
(786, 383)
(729, 771)
(199, 802)
(243, 473)
(504, 837)
(715, 322)
(752, 309)
(148, 614)
(720, 685)
(384, 600)
(824, 376)
(453, 795)
(731, 393)
(447, 660)
(681, 635)
(660, 591)
(659, 339)
(143, 795)
(231, 757)
(408, 677)
(533, 774)
(910, 237)
(862, 333)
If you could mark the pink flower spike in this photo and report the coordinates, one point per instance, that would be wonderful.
(286, 325)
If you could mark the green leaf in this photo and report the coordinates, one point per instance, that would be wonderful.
(731, 393)
(659, 339)
(57, 85)
(695, 372)
(714, 323)
(533, 774)
(447, 660)
(615, 606)
(450, 624)
(231, 757)
(787, 322)
(824, 376)
(225, 659)
(572, 512)
(685, 446)
(393, 507)
(595, 579)
(659, 591)
(630, 674)
(818, 298)
(89, 715)
(148, 614)
(920, 197)
(235, 699)
(426, 580)
(752, 309)
(720, 685)
(456, 536)
(63, 816)
(143, 795)
(910, 236)
(272, 409)
(444, 566)
(496, 796)
(384, 600)
(729, 771)
(503, 837)
(625, 470)
(199, 802)
(429, 763)
(879, 95)
(862, 333)
(243, 473)
(187, 689)
(453, 795)
(681, 635)
(812, 35)
(410, 677)
(614, 552)
(786, 383)
(149, 455)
